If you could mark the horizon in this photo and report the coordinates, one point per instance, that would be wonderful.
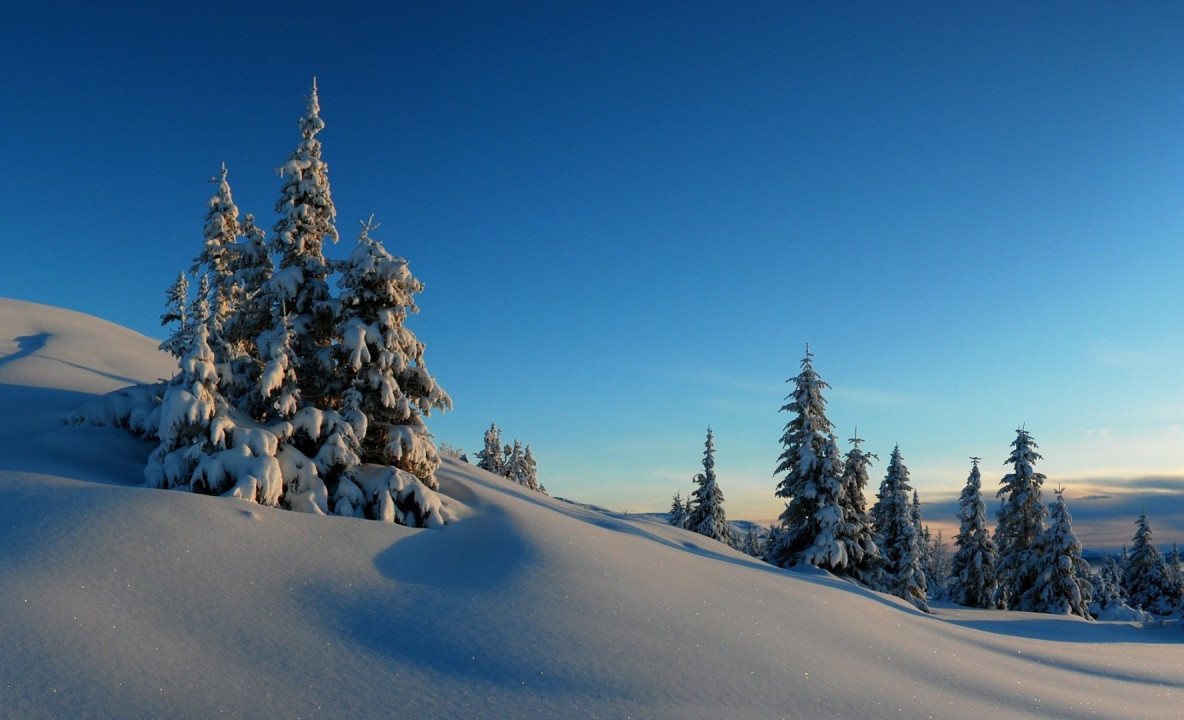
(611, 209)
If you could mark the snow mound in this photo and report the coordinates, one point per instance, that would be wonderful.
(123, 601)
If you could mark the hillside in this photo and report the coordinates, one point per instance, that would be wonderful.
(120, 601)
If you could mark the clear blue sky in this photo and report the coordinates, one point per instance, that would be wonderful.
(631, 217)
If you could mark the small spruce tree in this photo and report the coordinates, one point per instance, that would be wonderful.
(707, 515)
(678, 513)
(490, 458)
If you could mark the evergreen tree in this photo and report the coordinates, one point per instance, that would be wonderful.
(490, 458)
(752, 544)
(707, 515)
(973, 574)
(187, 409)
(317, 381)
(177, 311)
(1020, 524)
(306, 223)
(278, 387)
(857, 535)
(938, 566)
(256, 312)
(383, 361)
(1146, 573)
(1061, 587)
(218, 262)
(1109, 596)
(678, 513)
(925, 545)
(896, 534)
(514, 468)
(813, 478)
(1175, 579)
(530, 471)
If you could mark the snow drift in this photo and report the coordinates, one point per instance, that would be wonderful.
(122, 601)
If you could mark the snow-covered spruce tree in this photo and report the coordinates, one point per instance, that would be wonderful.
(973, 574)
(279, 391)
(812, 483)
(281, 408)
(217, 263)
(1061, 588)
(200, 447)
(938, 567)
(256, 311)
(1146, 574)
(707, 516)
(530, 471)
(180, 340)
(1109, 597)
(306, 223)
(924, 541)
(513, 461)
(1020, 524)
(490, 458)
(288, 401)
(1175, 578)
(896, 535)
(752, 544)
(858, 536)
(381, 359)
(678, 513)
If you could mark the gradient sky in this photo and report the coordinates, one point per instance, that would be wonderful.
(631, 217)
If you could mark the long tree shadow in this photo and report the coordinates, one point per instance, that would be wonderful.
(26, 346)
(29, 345)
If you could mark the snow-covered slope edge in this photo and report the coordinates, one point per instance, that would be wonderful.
(125, 602)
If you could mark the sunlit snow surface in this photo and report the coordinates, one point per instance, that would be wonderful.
(120, 601)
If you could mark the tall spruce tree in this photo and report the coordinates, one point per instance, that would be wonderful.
(1146, 573)
(306, 224)
(813, 471)
(973, 572)
(1020, 524)
(218, 262)
(896, 534)
(707, 516)
(1062, 587)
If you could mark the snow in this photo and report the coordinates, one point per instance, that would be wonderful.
(122, 601)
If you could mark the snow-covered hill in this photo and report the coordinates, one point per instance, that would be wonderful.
(120, 601)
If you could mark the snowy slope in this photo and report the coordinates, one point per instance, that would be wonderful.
(119, 601)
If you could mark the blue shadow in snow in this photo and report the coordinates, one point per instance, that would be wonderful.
(27, 345)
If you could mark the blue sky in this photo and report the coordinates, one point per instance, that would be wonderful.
(632, 217)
